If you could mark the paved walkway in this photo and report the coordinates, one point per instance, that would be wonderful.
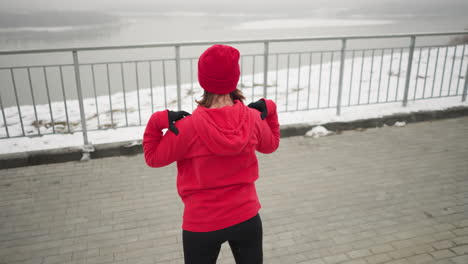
(389, 195)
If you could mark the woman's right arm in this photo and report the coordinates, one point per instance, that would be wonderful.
(161, 150)
(269, 130)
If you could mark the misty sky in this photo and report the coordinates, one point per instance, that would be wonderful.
(400, 6)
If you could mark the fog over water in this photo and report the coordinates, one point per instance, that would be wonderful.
(434, 7)
(26, 24)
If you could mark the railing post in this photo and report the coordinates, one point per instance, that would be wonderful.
(340, 85)
(76, 66)
(408, 70)
(465, 89)
(265, 68)
(4, 118)
(179, 97)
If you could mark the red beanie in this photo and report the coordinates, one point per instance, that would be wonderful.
(218, 69)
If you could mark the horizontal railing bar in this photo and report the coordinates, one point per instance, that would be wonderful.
(328, 51)
(142, 61)
(36, 66)
(373, 103)
(439, 46)
(245, 55)
(301, 52)
(124, 61)
(109, 128)
(259, 41)
(436, 97)
(302, 110)
(194, 58)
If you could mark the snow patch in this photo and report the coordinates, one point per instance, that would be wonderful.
(86, 156)
(87, 148)
(133, 143)
(318, 131)
(400, 124)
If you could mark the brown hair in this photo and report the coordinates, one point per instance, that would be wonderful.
(208, 98)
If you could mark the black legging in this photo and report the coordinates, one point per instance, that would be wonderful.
(245, 240)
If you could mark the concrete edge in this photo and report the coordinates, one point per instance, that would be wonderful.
(130, 148)
(389, 120)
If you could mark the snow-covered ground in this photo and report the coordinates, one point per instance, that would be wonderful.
(305, 94)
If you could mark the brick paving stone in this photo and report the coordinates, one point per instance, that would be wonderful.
(398, 261)
(381, 249)
(57, 259)
(463, 223)
(444, 261)
(311, 261)
(443, 244)
(386, 195)
(355, 261)
(340, 249)
(379, 258)
(461, 240)
(362, 244)
(460, 260)
(461, 250)
(441, 254)
(444, 235)
(420, 259)
(461, 231)
(445, 227)
(420, 249)
(335, 259)
(360, 253)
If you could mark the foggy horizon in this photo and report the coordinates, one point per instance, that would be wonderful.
(45, 23)
(420, 7)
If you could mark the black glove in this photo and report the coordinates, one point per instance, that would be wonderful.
(260, 105)
(174, 116)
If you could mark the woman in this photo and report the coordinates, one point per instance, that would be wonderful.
(216, 162)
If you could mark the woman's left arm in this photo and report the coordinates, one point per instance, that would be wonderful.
(162, 150)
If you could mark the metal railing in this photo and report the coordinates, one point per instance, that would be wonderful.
(118, 93)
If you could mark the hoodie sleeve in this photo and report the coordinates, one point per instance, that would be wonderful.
(162, 150)
(269, 137)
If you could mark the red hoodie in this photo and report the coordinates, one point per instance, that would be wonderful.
(216, 161)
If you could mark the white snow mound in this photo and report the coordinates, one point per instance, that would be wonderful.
(400, 124)
(318, 131)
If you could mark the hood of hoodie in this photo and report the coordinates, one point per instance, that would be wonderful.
(225, 131)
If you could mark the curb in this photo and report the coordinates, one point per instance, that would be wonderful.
(130, 148)
(389, 120)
